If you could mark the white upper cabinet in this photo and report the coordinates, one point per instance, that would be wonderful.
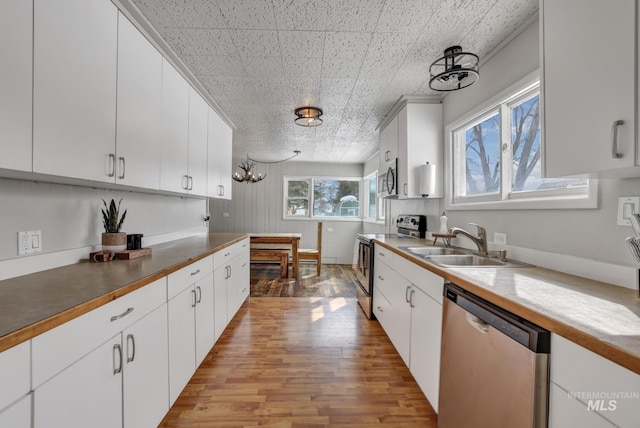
(196, 172)
(388, 145)
(138, 109)
(175, 130)
(589, 86)
(16, 49)
(220, 145)
(419, 142)
(74, 88)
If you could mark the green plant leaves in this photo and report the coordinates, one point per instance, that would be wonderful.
(110, 216)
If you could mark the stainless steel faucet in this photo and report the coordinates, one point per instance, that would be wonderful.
(480, 240)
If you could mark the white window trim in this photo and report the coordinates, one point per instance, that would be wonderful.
(365, 198)
(310, 216)
(516, 201)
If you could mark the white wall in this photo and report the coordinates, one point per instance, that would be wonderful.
(70, 219)
(589, 233)
(258, 208)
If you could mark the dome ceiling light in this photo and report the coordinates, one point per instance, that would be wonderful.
(308, 116)
(455, 70)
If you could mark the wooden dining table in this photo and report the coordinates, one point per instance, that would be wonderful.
(278, 240)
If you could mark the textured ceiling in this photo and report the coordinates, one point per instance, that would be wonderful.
(261, 59)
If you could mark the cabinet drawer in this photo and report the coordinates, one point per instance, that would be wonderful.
(381, 307)
(223, 256)
(14, 372)
(567, 412)
(58, 348)
(383, 254)
(427, 281)
(385, 279)
(188, 275)
(578, 370)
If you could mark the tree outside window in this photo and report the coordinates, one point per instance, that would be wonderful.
(328, 197)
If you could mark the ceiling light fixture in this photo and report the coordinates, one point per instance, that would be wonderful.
(248, 176)
(455, 70)
(308, 116)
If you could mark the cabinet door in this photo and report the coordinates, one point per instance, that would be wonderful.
(197, 148)
(74, 88)
(18, 415)
(205, 318)
(580, 106)
(389, 144)
(219, 138)
(569, 412)
(15, 372)
(86, 394)
(237, 284)
(16, 49)
(146, 371)
(426, 336)
(139, 108)
(220, 299)
(175, 130)
(182, 341)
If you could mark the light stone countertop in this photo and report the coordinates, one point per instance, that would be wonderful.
(35, 303)
(602, 317)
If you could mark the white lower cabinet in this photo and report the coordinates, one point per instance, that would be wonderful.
(18, 415)
(146, 363)
(220, 300)
(409, 308)
(191, 332)
(231, 279)
(87, 394)
(589, 389)
(237, 284)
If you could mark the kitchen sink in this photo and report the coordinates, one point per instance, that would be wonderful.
(431, 251)
(465, 260)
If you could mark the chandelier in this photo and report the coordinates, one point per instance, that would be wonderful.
(248, 176)
(455, 70)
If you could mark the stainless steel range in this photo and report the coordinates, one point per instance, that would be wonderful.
(409, 226)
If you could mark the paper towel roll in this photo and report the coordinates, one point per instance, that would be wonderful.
(427, 183)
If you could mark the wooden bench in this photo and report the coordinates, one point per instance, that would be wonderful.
(271, 255)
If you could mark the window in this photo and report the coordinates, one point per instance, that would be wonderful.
(327, 197)
(495, 158)
(375, 205)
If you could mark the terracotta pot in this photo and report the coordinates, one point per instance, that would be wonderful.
(115, 242)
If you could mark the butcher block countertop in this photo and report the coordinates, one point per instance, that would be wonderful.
(601, 317)
(35, 303)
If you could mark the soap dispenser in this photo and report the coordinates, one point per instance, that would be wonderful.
(443, 224)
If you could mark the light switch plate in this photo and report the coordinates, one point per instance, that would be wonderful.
(29, 242)
(627, 205)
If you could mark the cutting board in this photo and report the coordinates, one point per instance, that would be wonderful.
(133, 254)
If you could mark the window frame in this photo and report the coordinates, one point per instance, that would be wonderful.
(380, 202)
(505, 198)
(310, 216)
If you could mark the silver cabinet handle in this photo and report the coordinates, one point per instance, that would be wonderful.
(199, 294)
(229, 271)
(112, 165)
(190, 183)
(381, 254)
(195, 273)
(133, 348)
(185, 186)
(117, 350)
(380, 309)
(124, 314)
(122, 162)
(614, 139)
(194, 302)
(413, 292)
(226, 254)
(406, 294)
(404, 189)
(380, 278)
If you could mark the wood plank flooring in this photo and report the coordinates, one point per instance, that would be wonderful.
(302, 362)
(333, 281)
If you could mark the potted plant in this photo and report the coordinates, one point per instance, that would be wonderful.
(112, 238)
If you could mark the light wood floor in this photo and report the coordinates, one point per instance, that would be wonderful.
(302, 362)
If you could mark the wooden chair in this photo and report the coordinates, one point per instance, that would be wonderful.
(314, 253)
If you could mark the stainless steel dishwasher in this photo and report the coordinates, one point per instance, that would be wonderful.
(493, 368)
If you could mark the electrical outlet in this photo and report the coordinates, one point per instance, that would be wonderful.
(29, 242)
(225, 214)
(329, 229)
(500, 238)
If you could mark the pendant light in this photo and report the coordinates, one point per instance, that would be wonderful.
(308, 116)
(455, 70)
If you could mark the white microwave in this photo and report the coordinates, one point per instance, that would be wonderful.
(388, 181)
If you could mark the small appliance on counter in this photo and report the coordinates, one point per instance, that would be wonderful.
(411, 226)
